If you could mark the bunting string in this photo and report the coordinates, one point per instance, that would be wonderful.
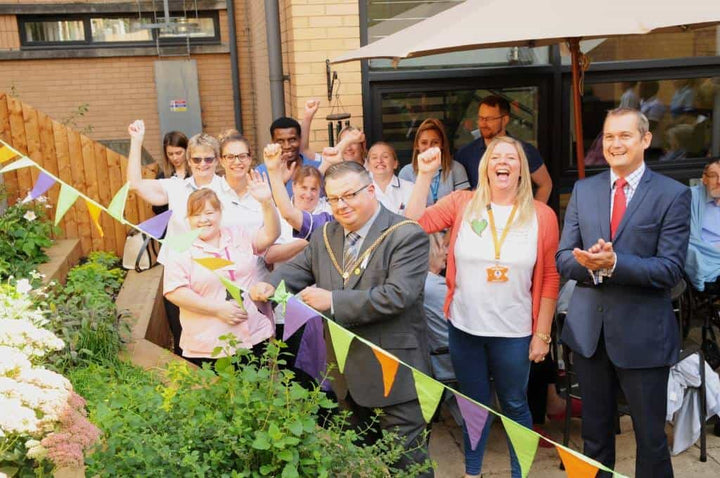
(429, 390)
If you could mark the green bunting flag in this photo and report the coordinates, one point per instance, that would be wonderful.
(524, 442)
(117, 206)
(23, 162)
(182, 242)
(234, 290)
(281, 296)
(65, 200)
(429, 393)
(341, 340)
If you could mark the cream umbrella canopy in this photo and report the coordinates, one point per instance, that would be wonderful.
(477, 24)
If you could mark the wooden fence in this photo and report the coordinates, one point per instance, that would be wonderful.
(87, 165)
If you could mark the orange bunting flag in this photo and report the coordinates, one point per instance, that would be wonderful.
(389, 366)
(576, 467)
(94, 211)
(213, 263)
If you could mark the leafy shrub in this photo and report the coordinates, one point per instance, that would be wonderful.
(83, 312)
(243, 421)
(25, 233)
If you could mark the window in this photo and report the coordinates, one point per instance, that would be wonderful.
(116, 30)
(684, 117)
(702, 42)
(54, 31)
(402, 114)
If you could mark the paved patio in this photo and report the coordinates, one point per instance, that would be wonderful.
(446, 450)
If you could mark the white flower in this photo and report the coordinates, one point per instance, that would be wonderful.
(36, 275)
(35, 450)
(28, 338)
(17, 418)
(30, 216)
(23, 285)
(12, 361)
(41, 199)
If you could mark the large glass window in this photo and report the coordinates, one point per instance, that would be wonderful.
(402, 113)
(94, 30)
(684, 116)
(702, 42)
(120, 30)
(385, 17)
(54, 31)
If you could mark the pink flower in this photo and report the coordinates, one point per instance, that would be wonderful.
(67, 445)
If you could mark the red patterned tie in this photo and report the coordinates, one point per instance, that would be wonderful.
(619, 205)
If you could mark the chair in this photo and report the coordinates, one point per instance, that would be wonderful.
(571, 389)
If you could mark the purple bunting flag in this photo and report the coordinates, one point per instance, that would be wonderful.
(475, 417)
(43, 183)
(155, 226)
(312, 354)
(296, 314)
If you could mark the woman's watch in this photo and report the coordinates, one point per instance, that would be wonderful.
(544, 337)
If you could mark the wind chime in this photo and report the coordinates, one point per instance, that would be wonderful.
(337, 114)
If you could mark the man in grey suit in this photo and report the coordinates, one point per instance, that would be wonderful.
(369, 269)
(624, 241)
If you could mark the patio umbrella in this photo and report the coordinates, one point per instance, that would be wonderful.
(530, 23)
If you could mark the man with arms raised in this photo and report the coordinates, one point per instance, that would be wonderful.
(369, 267)
(624, 242)
(493, 118)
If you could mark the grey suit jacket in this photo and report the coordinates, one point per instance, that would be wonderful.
(383, 304)
(632, 308)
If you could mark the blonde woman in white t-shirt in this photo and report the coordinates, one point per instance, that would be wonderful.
(501, 277)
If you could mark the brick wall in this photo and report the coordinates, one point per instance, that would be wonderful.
(116, 90)
(315, 30)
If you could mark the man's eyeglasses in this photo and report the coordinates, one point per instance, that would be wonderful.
(487, 119)
(242, 157)
(334, 201)
(207, 159)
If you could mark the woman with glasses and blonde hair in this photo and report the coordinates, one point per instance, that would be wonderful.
(451, 175)
(202, 155)
(501, 277)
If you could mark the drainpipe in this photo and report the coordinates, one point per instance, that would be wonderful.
(274, 46)
(235, 76)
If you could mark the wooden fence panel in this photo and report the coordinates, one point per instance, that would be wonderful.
(19, 142)
(116, 183)
(49, 154)
(88, 166)
(10, 179)
(70, 161)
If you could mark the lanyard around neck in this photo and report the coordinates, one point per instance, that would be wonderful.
(491, 218)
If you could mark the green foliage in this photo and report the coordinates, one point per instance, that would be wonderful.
(237, 421)
(84, 315)
(72, 118)
(25, 233)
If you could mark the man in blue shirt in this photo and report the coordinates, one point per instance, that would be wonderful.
(702, 264)
(286, 132)
(493, 118)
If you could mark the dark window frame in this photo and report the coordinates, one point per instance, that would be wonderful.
(89, 43)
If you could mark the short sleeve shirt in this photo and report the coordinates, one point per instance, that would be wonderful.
(201, 332)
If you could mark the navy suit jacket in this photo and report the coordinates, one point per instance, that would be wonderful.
(633, 307)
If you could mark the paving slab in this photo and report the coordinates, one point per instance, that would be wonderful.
(446, 450)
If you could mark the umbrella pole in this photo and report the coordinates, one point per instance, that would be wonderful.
(577, 105)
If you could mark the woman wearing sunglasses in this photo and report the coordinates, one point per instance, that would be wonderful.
(202, 154)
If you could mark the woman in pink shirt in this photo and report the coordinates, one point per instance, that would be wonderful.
(206, 312)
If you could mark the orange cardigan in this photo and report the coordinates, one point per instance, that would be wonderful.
(448, 213)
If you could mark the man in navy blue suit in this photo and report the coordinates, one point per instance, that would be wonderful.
(624, 241)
